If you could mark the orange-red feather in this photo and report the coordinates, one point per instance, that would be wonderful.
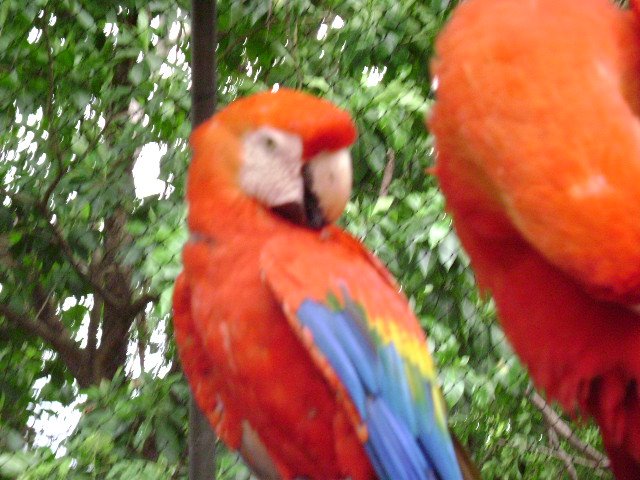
(538, 142)
(256, 371)
(245, 365)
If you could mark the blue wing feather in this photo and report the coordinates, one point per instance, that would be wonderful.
(425, 407)
(403, 397)
(322, 323)
(360, 352)
(402, 456)
(391, 396)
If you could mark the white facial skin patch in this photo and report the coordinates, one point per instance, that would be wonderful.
(271, 167)
(271, 172)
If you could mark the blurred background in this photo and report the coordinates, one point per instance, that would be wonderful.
(94, 126)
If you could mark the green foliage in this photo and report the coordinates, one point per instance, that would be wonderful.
(125, 423)
(79, 98)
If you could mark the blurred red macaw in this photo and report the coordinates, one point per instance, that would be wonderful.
(296, 341)
(538, 141)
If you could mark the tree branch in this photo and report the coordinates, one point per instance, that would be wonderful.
(50, 115)
(387, 176)
(46, 311)
(60, 340)
(598, 468)
(561, 453)
(139, 305)
(578, 460)
(142, 339)
(564, 430)
(81, 269)
(92, 331)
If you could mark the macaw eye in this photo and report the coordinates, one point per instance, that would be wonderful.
(270, 143)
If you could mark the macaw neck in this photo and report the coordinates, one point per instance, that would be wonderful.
(227, 212)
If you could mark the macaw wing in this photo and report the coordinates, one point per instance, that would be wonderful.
(361, 333)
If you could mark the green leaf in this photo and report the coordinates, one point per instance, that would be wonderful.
(143, 433)
(85, 19)
(13, 465)
(318, 83)
(75, 315)
(382, 205)
(136, 74)
(80, 145)
(454, 393)
(143, 21)
(438, 232)
(81, 99)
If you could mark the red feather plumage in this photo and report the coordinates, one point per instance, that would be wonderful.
(538, 141)
(254, 366)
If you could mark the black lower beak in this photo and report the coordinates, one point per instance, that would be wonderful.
(313, 212)
(308, 214)
(292, 211)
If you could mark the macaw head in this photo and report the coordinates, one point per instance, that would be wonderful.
(286, 150)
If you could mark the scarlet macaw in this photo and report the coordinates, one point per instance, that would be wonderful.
(297, 343)
(538, 141)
